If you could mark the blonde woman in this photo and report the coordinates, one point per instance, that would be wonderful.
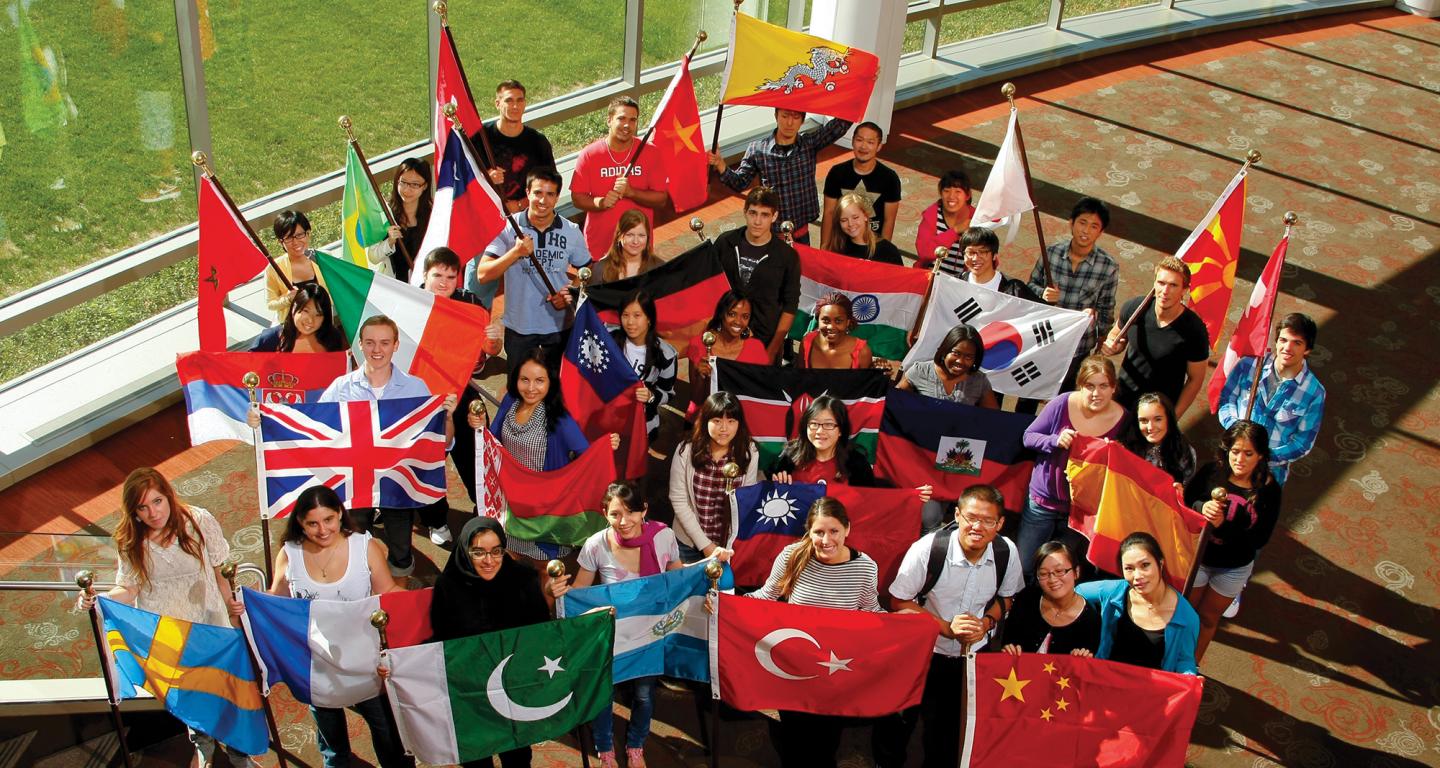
(854, 237)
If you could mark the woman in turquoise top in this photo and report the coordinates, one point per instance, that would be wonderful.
(1143, 620)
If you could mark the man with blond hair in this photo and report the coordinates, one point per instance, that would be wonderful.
(1167, 347)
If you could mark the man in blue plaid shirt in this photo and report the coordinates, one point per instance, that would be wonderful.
(1290, 399)
(785, 162)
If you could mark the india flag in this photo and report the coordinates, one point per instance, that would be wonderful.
(440, 339)
(886, 299)
(362, 215)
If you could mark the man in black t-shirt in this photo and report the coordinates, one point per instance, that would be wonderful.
(517, 147)
(864, 175)
(765, 267)
(1167, 347)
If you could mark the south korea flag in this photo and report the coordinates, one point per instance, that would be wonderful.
(1028, 346)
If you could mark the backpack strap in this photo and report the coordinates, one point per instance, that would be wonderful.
(1001, 549)
(935, 564)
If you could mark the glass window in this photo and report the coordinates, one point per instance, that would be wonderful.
(914, 37)
(1074, 9)
(992, 19)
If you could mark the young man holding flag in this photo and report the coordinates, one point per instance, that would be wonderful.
(765, 267)
(1167, 348)
(515, 147)
(610, 179)
(1290, 400)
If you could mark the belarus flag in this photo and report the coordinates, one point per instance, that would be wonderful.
(953, 446)
(561, 506)
(216, 399)
(326, 651)
(598, 386)
(885, 298)
(440, 339)
(466, 214)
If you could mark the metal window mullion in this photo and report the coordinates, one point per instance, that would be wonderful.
(634, 54)
(1057, 12)
(796, 18)
(192, 76)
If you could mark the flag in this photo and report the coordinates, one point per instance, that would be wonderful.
(466, 214)
(924, 441)
(229, 257)
(769, 516)
(490, 501)
(1212, 252)
(561, 506)
(661, 627)
(362, 214)
(772, 66)
(373, 453)
(201, 673)
(326, 651)
(796, 657)
(1251, 337)
(774, 400)
(685, 290)
(450, 87)
(885, 298)
(462, 700)
(598, 386)
(440, 339)
(216, 400)
(1114, 493)
(1040, 710)
(1006, 196)
(1028, 345)
(677, 137)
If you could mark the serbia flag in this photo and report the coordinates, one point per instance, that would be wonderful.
(599, 388)
(466, 214)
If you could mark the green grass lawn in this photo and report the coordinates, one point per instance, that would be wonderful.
(79, 176)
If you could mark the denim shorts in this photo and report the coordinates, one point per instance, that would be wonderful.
(1226, 581)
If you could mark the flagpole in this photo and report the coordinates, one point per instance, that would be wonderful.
(349, 129)
(1008, 91)
(713, 571)
(720, 108)
(203, 163)
(85, 580)
(698, 227)
(442, 10)
(228, 572)
(1290, 219)
(1129, 321)
(940, 252)
(700, 37)
(251, 380)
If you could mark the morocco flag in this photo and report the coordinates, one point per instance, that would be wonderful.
(823, 661)
(1252, 334)
(1212, 252)
(561, 506)
(599, 388)
(229, 256)
(924, 441)
(1114, 493)
(774, 400)
(1038, 710)
(450, 86)
(772, 66)
(440, 339)
(886, 299)
(685, 290)
(677, 137)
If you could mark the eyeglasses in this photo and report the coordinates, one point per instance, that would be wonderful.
(301, 235)
(981, 523)
(412, 184)
(823, 426)
(1048, 575)
(487, 554)
(978, 252)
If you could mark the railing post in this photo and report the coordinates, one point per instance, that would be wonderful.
(796, 19)
(634, 55)
(192, 75)
(1057, 12)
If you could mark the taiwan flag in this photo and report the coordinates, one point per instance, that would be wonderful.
(685, 289)
(924, 441)
(599, 388)
(466, 214)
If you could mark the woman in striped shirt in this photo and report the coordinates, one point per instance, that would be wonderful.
(819, 570)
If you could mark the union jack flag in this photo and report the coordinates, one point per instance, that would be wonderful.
(385, 453)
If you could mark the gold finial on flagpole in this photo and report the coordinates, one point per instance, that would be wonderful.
(1252, 158)
(731, 471)
(584, 276)
(708, 339)
(443, 11)
(348, 127)
(1290, 220)
(379, 620)
(202, 162)
(713, 571)
(251, 380)
(227, 572)
(1008, 91)
(787, 231)
(555, 568)
(698, 227)
(85, 580)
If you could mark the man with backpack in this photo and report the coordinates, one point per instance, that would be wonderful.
(964, 575)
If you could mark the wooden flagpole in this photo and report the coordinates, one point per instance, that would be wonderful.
(349, 129)
(443, 11)
(203, 163)
(85, 580)
(1290, 219)
(1008, 91)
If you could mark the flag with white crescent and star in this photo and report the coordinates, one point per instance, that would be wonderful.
(824, 661)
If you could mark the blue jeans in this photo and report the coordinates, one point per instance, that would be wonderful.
(333, 735)
(640, 711)
(689, 554)
(206, 746)
(1037, 526)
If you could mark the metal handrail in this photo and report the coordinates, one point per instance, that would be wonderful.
(47, 586)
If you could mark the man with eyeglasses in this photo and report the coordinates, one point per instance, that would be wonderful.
(979, 264)
(967, 592)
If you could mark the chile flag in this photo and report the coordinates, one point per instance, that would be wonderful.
(599, 388)
(466, 214)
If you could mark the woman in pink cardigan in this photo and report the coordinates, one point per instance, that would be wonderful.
(937, 230)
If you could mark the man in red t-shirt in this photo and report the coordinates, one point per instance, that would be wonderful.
(600, 185)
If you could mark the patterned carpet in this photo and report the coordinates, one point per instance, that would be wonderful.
(1332, 660)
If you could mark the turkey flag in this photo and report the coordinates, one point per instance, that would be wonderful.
(795, 657)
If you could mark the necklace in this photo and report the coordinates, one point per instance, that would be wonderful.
(328, 561)
(1061, 611)
(613, 158)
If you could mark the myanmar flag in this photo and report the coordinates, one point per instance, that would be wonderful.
(685, 290)
(953, 446)
(561, 506)
(772, 66)
(774, 400)
(886, 299)
(362, 215)
(1114, 493)
(440, 339)
(1212, 252)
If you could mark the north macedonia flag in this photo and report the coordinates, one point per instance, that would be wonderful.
(1212, 252)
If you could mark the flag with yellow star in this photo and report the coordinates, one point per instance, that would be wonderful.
(1212, 253)
(1043, 710)
(677, 136)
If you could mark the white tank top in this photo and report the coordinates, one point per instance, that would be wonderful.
(354, 585)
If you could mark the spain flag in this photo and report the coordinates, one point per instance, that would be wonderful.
(1212, 252)
(772, 66)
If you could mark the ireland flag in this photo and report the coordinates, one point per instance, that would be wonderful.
(470, 698)
(886, 298)
(362, 215)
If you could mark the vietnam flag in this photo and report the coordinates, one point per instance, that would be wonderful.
(1114, 493)
(229, 257)
(1212, 252)
(599, 387)
(561, 506)
(772, 66)
(440, 339)
(953, 446)
(773, 655)
(1252, 334)
(1039, 711)
(685, 290)
(466, 214)
(886, 298)
(450, 86)
(677, 136)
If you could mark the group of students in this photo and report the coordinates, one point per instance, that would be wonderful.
(986, 592)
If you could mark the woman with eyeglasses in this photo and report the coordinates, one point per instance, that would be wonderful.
(1047, 616)
(292, 229)
(1143, 620)
(410, 202)
(822, 453)
(631, 251)
(309, 326)
(954, 374)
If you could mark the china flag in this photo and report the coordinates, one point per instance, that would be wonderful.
(780, 656)
(1040, 711)
(677, 136)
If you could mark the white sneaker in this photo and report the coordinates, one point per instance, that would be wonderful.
(1233, 609)
(440, 536)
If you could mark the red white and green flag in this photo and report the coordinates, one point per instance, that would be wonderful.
(561, 506)
(886, 299)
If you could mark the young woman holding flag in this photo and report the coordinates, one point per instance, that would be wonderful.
(697, 477)
(830, 345)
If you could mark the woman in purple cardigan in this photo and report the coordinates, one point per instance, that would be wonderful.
(1091, 411)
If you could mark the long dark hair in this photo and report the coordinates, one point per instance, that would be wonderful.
(717, 406)
(801, 452)
(804, 550)
(1174, 448)
(312, 498)
(953, 338)
(1260, 439)
(727, 301)
(422, 206)
(554, 404)
(652, 338)
(328, 335)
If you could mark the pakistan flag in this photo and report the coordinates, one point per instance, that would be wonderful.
(468, 698)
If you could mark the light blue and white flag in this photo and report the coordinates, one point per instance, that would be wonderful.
(661, 627)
